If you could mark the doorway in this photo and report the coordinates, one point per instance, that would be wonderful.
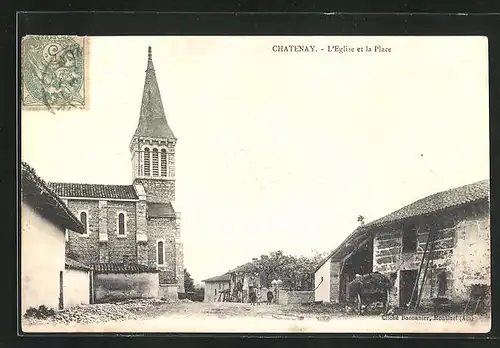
(407, 280)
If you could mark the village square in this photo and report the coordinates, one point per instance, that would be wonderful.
(117, 257)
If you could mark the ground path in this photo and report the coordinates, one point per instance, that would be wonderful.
(239, 317)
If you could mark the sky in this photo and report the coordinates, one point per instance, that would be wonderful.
(277, 150)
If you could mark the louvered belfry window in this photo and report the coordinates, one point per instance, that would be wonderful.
(163, 162)
(155, 162)
(147, 163)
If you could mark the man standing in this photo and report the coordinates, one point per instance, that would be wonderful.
(270, 297)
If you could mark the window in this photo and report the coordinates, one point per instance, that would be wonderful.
(409, 239)
(160, 253)
(121, 224)
(441, 282)
(147, 162)
(163, 162)
(83, 219)
(215, 291)
(155, 162)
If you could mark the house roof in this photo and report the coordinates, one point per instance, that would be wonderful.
(94, 190)
(432, 204)
(115, 267)
(152, 120)
(43, 199)
(247, 267)
(156, 210)
(73, 264)
(440, 201)
(220, 278)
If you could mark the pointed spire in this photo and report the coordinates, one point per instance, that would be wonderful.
(150, 60)
(152, 120)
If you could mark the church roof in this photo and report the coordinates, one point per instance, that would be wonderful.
(152, 119)
(160, 210)
(64, 189)
(116, 267)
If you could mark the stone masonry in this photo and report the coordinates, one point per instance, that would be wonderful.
(461, 237)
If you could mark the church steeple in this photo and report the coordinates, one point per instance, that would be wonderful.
(152, 120)
(153, 144)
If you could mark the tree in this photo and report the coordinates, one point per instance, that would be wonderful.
(295, 272)
(188, 282)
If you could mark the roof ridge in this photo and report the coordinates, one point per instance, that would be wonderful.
(86, 183)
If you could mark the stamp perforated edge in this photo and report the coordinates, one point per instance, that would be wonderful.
(86, 43)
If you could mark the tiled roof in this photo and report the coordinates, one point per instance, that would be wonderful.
(152, 120)
(43, 199)
(434, 203)
(73, 264)
(122, 268)
(247, 267)
(438, 202)
(94, 190)
(160, 210)
(221, 278)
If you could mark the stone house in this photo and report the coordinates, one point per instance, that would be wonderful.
(44, 220)
(456, 226)
(215, 286)
(135, 225)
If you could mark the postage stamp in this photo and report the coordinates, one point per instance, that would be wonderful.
(54, 72)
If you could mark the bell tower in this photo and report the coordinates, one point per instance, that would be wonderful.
(153, 144)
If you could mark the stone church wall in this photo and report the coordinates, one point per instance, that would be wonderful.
(158, 190)
(85, 248)
(102, 219)
(163, 229)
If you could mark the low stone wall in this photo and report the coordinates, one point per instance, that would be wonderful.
(109, 287)
(295, 297)
(168, 291)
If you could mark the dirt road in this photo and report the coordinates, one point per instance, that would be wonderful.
(238, 317)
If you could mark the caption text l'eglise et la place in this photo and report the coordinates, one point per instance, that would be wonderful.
(330, 49)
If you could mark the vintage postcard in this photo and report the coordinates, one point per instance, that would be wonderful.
(327, 184)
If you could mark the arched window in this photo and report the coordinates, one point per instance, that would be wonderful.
(155, 162)
(147, 162)
(160, 253)
(83, 219)
(163, 162)
(121, 224)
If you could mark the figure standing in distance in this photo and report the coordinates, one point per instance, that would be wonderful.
(259, 296)
(253, 297)
(270, 297)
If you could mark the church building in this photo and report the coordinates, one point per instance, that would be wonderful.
(137, 225)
